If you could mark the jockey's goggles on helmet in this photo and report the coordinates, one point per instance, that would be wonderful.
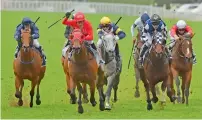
(181, 29)
(155, 23)
(106, 25)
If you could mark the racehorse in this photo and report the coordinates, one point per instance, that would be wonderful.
(139, 70)
(111, 70)
(181, 64)
(156, 67)
(28, 65)
(83, 68)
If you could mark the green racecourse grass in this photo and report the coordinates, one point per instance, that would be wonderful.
(55, 100)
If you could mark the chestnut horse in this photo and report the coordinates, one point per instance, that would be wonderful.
(83, 68)
(28, 65)
(156, 67)
(181, 64)
(139, 70)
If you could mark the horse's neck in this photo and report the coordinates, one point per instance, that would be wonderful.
(26, 56)
(82, 56)
(176, 51)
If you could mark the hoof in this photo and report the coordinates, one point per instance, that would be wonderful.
(102, 107)
(94, 103)
(172, 99)
(183, 100)
(137, 94)
(20, 102)
(179, 99)
(18, 95)
(149, 107)
(107, 106)
(85, 100)
(31, 104)
(155, 99)
(115, 100)
(80, 109)
(38, 102)
(72, 101)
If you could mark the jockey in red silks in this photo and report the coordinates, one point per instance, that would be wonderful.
(85, 26)
(180, 28)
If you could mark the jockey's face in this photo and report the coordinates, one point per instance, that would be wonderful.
(27, 26)
(80, 23)
(181, 31)
(155, 26)
(106, 27)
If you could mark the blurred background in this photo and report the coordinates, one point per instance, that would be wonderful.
(175, 9)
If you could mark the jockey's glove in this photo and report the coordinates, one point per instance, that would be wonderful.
(116, 37)
(68, 14)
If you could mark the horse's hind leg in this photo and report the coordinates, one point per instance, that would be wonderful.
(85, 94)
(137, 78)
(80, 107)
(177, 82)
(34, 82)
(115, 86)
(19, 83)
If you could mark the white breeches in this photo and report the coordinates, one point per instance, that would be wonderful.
(36, 43)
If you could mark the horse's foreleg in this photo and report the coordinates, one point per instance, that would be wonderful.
(115, 86)
(137, 78)
(110, 80)
(38, 101)
(85, 94)
(149, 104)
(177, 82)
(71, 88)
(183, 88)
(19, 83)
(187, 86)
(92, 94)
(33, 84)
(155, 98)
(80, 107)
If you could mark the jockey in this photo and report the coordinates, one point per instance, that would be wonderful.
(68, 31)
(85, 26)
(180, 28)
(107, 26)
(28, 24)
(152, 25)
(139, 23)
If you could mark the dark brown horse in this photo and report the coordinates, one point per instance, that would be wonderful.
(181, 64)
(28, 65)
(156, 67)
(139, 70)
(82, 68)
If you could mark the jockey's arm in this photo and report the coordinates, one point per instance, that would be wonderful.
(35, 34)
(69, 22)
(173, 32)
(119, 32)
(99, 32)
(17, 34)
(132, 29)
(67, 31)
(89, 29)
(189, 30)
(164, 30)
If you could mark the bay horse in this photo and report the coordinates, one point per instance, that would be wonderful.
(139, 70)
(111, 70)
(83, 68)
(181, 64)
(28, 65)
(156, 67)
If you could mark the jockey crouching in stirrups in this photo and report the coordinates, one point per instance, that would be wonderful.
(181, 28)
(85, 26)
(26, 25)
(155, 24)
(108, 27)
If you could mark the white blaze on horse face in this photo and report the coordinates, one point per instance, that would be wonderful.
(109, 42)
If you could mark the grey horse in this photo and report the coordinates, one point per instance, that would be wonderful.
(112, 67)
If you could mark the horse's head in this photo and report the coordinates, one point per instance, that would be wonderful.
(25, 39)
(185, 46)
(158, 43)
(109, 42)
(77, 39)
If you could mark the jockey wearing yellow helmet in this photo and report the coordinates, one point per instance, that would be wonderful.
(107, 26)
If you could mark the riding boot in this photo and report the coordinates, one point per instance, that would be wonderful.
(66, 47)
(194, 57)
(95, 52)
(142, 52)
(118, 58)
(43, 56)
(16, 51)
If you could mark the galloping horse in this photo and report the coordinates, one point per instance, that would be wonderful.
(111, 70)
(181, 64)
(83, 68)
(156, 67)
(28, 65)
(139, 70)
